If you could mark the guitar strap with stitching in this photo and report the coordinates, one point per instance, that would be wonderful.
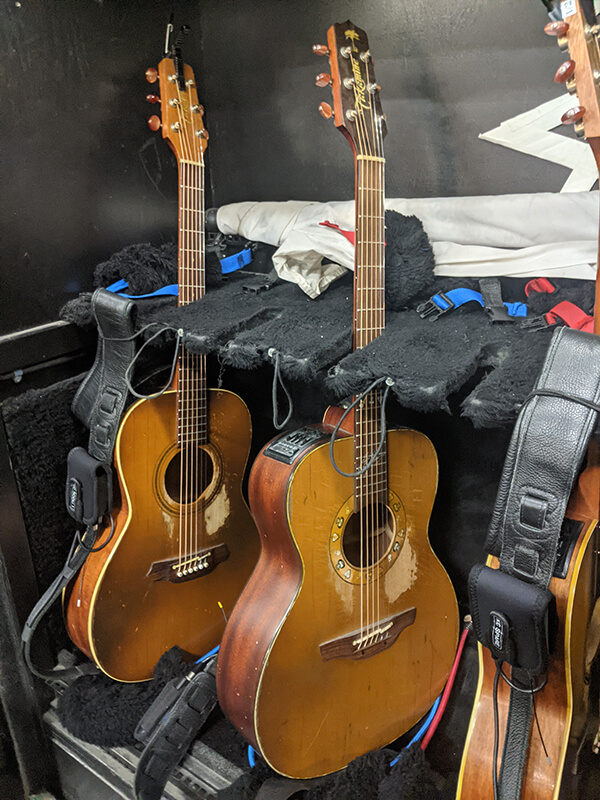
(544, 456)
(99, 404)
(101, 398)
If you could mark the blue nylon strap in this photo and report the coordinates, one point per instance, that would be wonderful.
(229, 264)
(236, 261)
(461, 296)
(118, 286)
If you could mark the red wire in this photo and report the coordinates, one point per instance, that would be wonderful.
(446, 692)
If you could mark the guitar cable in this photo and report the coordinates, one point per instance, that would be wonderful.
(277, 380)
(389, 382)
(533, 691)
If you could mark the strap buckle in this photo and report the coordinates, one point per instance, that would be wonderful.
(499, 314)
(535, 323)
(430, 308)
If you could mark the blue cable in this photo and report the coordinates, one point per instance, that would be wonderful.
(421, 732)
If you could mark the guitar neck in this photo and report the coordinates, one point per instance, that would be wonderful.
(369, 318)
(191, 377)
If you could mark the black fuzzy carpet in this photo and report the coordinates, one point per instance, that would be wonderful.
(429, 361)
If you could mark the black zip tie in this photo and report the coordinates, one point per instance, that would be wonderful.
(277, 379)
(388, 385)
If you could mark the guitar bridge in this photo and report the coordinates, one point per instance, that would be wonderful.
(200, 563)
(370, 641)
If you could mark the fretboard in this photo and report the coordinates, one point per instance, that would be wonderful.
(191, 380)
(369, 319)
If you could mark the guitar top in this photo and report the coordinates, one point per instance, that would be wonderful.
(345, 633)
(184, 542)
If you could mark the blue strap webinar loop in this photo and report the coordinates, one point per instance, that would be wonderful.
(118, 286)
(442, 302)
(236, 261)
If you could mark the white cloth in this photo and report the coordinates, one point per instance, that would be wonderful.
(527, 235)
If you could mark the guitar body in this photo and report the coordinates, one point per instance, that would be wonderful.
(122, 609)
(561, 705)
(308, 709)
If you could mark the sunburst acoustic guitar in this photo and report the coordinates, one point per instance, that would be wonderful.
(346, 631)
(184, 540)
(562, 704)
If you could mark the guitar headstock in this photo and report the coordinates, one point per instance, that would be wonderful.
(578, 32)
(356, 104)
(182, 120)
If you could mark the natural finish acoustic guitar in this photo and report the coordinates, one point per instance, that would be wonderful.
(184, 540)
(562, 705)
(346, 631)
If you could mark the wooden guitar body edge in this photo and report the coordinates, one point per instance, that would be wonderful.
(558, 705)
(103, 605)
(264, 636)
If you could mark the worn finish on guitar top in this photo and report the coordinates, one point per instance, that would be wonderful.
(561, 705)
(116, 611)
(306, 714)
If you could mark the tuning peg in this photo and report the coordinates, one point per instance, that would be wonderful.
(152, 98)
(323, 79)
(565, 71)
(151, 75)
(325, 110)
(320, 49)
(558, 29)
(154, 123)
(573, 115)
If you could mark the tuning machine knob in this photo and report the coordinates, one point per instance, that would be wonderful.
(325, 110)
(154, 123)
(558, 29)
(151, 75)
(152, 98)
(565, 71)
(574, 116)
(323, 79)
(320, 49)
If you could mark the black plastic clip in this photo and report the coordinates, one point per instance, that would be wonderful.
(431, 309)
(535, 323)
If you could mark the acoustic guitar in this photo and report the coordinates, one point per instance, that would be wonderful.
(562, 705)
(184, 542)
(346, 631)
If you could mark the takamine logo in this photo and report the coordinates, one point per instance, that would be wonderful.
(185, 108)
(360, 88)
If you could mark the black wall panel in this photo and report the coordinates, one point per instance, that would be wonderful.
(82, 175)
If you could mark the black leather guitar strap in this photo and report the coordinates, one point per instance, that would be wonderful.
(544, 456)
(101, 398)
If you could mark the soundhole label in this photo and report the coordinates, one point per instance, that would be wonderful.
(187, 476)
(364, 545)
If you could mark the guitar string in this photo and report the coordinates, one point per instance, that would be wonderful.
(359, 483)
(367, 509)
(376, 511)
(185, 412)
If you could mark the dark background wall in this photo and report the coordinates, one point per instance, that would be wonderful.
(82, 175)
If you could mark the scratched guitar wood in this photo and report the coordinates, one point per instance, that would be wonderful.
(562, 705)
(184, 540)
(346, 631)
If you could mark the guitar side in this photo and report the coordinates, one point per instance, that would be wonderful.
(561, 705)
(292, 684)
(122, 610)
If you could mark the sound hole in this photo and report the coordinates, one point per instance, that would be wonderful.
(188, 475)
(371, 531)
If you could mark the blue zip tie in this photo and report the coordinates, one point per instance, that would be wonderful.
(251, 756)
